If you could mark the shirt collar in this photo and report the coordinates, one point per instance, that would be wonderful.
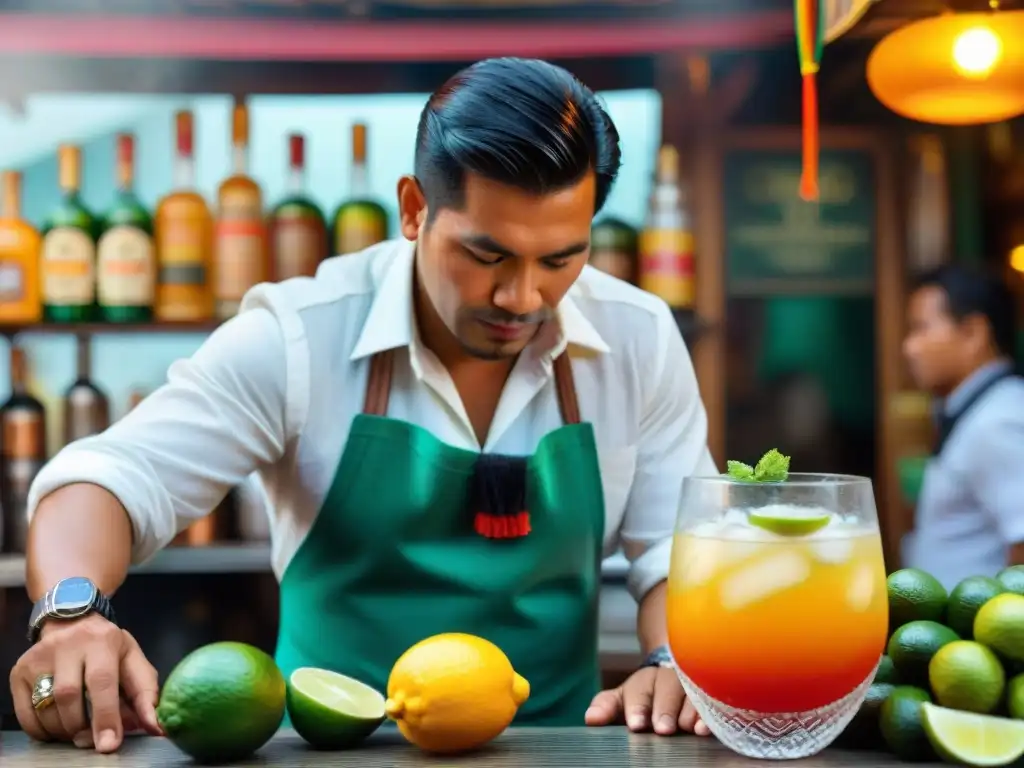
(391, 322)
(976, 381)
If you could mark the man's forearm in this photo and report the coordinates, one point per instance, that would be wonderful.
(651, 628)
(78, 530)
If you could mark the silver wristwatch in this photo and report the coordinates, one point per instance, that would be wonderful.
(69, 599)
(659, 657)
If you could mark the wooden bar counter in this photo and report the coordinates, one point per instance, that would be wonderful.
(517, 748)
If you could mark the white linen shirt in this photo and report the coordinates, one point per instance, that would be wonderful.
(274, 391)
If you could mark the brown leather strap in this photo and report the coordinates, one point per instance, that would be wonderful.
(566, 386)
(378, 386)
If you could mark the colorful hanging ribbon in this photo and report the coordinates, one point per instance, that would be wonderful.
(810, 40)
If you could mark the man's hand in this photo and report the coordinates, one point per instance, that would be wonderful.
(651, 696)
(87, 656)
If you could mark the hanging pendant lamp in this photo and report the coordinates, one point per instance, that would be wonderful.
(810, 39)
(953, 69)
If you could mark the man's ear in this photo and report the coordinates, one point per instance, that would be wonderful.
(412, 207)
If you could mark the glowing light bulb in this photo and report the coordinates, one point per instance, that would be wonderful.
(976, 52)
(1017, 259)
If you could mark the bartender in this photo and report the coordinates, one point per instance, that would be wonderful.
(970, 516)
(454, 428)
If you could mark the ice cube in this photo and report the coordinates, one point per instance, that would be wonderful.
(861, 589)
(763, 578)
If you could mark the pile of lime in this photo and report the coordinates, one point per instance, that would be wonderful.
(951, 684)
(224, 701)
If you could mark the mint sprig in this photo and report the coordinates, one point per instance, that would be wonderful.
(772, 468)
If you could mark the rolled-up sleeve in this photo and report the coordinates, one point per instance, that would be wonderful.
(219, 417)
(998, 473)
(672, 445)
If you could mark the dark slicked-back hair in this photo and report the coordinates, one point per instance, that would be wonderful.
(520, 122)
(976, 292)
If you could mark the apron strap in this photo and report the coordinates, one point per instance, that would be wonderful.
(378, 386)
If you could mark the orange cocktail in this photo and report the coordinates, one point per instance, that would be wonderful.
(777, 624)
(777, 608)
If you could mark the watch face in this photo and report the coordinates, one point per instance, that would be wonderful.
(73, 597)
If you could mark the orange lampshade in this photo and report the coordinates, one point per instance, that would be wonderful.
(953, 69)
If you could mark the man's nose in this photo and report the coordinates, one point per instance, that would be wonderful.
(519, 295)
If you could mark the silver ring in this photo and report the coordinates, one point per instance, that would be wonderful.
(42, 692)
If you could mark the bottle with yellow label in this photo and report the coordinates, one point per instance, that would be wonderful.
(298, 232)
(360, 221)
(68, 262)
(241, 258)
(666, 243)
(20, 247)
(183, 234)
(125, 256)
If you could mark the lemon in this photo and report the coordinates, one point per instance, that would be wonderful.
(1015, 697)
(968, 676)
(454, 692)
(331, 711)
(1000, 625)
(790, 521)
(972, 739)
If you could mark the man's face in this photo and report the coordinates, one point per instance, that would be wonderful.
(495, 270)
(937, 346)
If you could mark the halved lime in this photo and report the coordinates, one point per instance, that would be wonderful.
(971, 739)
(332, 711)
(790, 521)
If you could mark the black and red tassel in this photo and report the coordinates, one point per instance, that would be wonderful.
(497, 497)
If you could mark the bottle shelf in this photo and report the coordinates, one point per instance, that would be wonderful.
(94, 329)
(224, 559)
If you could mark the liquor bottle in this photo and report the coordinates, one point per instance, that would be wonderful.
(613, 249)
(666, 243)
(240, 245)
(22, 451)
(68, 261)
(298, 228)
(183, 234)
(360, 221)
(20, 249)
(86, 408)
(125, 256)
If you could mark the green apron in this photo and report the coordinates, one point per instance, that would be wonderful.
(393, 558)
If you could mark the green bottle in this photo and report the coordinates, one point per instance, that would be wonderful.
(125, 256)
(68, 262)
(298, 230)
(360, 221)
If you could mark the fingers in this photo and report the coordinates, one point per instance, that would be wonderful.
(67, 691)
(638, 698)
(21, 692)
(667, 702)
(605, 709)
(141, 686)
(102, 662)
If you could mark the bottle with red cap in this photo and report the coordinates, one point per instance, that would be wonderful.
(298, 239)
(125, 255)
(183, 234)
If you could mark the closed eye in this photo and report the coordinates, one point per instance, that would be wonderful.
(488, 260)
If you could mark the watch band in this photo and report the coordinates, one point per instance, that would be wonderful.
(46, 610)
(659, 657)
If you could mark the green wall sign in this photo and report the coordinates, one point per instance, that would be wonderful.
(777, 244)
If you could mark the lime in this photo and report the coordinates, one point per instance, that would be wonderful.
(966, 675)
(863, 731)
(1015, 697)
(901, 724)
(972, 739)
(1000, 625)
(331, 711)
(1012, 579)
(790, 521)
(886, 672)
(965, 600)
(915, 595)
(912, 646)
(222, 702)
